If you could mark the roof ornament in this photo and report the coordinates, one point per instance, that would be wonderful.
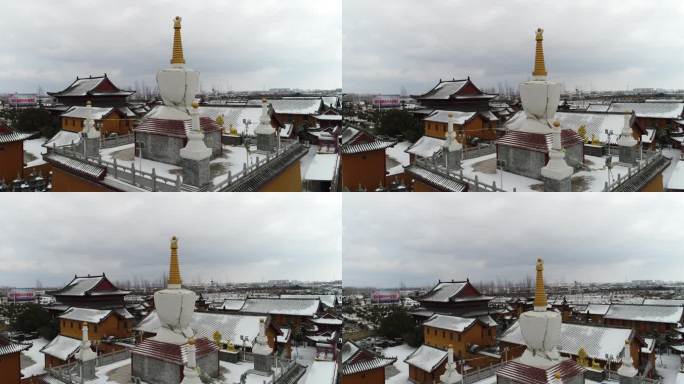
(174, 269)
(540, 301)
(177, 57)
(539, 65)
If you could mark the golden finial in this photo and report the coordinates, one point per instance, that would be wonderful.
(177, 57)
(556, 124)
(195, 104)
(450, 115)
(191, 341)
(174, 269)
(540, 293)
(539, 66)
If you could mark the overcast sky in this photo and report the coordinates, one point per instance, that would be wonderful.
(224, 237)
(600, 45)
(237, 44)
(394, 238)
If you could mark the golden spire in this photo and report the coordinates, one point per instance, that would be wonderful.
(177, 57)
(174, 269)
(539, 66)
(540, 293)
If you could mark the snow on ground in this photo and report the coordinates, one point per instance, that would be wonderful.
(305, 163)
(304, 355)
(33, 151)
(103, 372)
(675, 154)
(37, 367)
(668, 366)
(401, 352)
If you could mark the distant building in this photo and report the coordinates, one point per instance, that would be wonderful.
(457, 298)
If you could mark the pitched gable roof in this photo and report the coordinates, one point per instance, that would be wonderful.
(91, 86)
(453, 291)
(454, 89)
(89, 286)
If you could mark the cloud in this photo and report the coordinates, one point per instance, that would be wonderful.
(588, 44)
(415, 239)
(238, 44)
(224, 237)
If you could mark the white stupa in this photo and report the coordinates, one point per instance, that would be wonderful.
(265, 133)
(627, 369)
(261, 346)
(89, 125)
(541, 329)
(451, 375)
(175, 306)
(191, 374)
(539, 96)
(626, 138)
(557, 168)
(451, 144)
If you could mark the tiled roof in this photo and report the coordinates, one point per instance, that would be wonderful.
(449, 323)
(294, 307)
(230, 326)
(62, 347)
(86, 314)
(538, 142)
(11, 137)
(175, 354)
(76, 166)
(649, 313)
(367, 147)
(459, 118)
(435, 180)
(297, 106)
(427, 358)
(87, 86)
(367, 365)
(7, 347)
(174, 128)
(426, 146)
(520, 373)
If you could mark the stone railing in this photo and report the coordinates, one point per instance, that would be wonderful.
(612, 375)
(113, 357)
(474, 184)
(481, 374)
(287, 147)
(639, 174)
(480, 150)
(67, 373)
(137, 177)
(117, 141)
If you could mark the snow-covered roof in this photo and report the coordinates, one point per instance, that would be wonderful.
(85, 285)
(598, 107)
(596, 341)
(459, 118)
(597, 309)
(62, 347)
(86, 314)
(321, 372)
(648, 137)
(444, 291)
(205, 324)
(328, 300)
(284, 337)
(293, 307)
(63, 138)
(595, 123)
(232, 304)
(348, 351)
(669, 302)
(296, 106)
(7, 347)
(323, 167)
(87, 86)
(449, 323)
(82, 112)
(649, 313)
(426, 146)
(427, 358)
(662, 110)
(243, 119)
(329, 117)
(650, 345)
(676, 181)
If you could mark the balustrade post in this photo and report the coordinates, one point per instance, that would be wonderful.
(154, 180)
(178, 183)
(116, 170)
(133, 171)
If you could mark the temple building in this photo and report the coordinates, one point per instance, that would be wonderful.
(457, 298)
(175, 147)
(93, 302)
(466, 336)
(363, 166)
(177, 351)
(108, 120)
(426, 364)
(360, 366)
(541, 361)
(11, 153)
(10, 360)
(455, 95)
(99, 90)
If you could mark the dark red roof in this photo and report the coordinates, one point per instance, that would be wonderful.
(540, 142)
(521, 373)
(175, 128)
(172, 353)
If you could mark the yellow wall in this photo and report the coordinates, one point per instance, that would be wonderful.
(367, 169)
(111, 124)
(655, 185)
(473, 128)
(66, 182)
(476, 334)
(290, 180)
(10, 368)
(111, 326)
(11, 160)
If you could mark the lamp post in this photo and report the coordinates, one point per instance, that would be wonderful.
(244, 340)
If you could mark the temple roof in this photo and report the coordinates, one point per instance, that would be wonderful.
(538, 142)
(427, 358)
(366, 147)
(356, 360)
(450, 323)
(7, 135)
(98, 113)
(7, 347)
(93, 315)
(292, 307)
(175, 354)
(521, 373)
(454, 89)
(649, 313)
(62, 347)
(174, 128)
(453, 291)
(230, 326)
(91, 86)
(89, 286)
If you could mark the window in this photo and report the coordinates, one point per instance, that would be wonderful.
(443, 334)
(451, 335)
